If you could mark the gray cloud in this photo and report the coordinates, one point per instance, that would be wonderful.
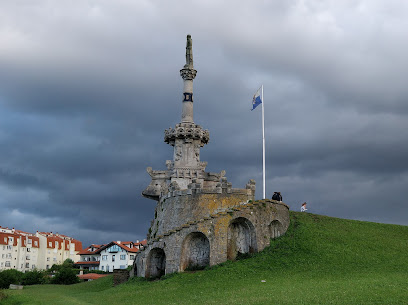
(86, 90)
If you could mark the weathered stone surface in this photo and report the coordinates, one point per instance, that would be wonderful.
(247, 230)
(120, 276)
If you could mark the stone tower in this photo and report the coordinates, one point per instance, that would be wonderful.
(187, 138)
(200, 219)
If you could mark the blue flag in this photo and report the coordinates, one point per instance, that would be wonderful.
(256, 100)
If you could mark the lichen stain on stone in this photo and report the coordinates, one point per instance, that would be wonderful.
(221, 225)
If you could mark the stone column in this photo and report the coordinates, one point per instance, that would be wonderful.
(188, 74)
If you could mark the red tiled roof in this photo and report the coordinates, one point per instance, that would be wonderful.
(78, 244)
(54, 239)
(87, 252)
(143, 242)
(8, 236)
(126, 248)
(87, 263)
(91, 276)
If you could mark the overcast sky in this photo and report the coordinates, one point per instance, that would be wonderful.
(87, 89)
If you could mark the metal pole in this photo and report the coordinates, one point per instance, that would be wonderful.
(263, 144)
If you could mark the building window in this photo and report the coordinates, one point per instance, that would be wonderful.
(5, 239)
(28, 257)
(7, 264)
(9, 247)
(28, 249)
(114, 248)
(103, 268)
(27, 265)
(122, 267)
(104, 257)
(32, 266)
(30, 241)
(2, 256)
(35, 243)
(47, 267)
(132, 257)
(113, 258)
(50, 244)
(123, 257)
(48, 259)
(54, 259)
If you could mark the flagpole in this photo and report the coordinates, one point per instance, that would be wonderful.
(263, 144)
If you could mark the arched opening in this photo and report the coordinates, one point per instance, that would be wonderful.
(195, 252)
(156, 263)
(241, 238)
(275, 229)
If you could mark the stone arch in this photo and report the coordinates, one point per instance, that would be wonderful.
(275, 229)
(195, 251)
(156, 263)
(241, 238)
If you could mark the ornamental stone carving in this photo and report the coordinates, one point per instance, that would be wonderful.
(186, 131)
(188, 74)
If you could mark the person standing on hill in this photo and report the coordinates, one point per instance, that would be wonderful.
(303, 207)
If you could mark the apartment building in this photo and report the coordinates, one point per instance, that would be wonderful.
(25, 251)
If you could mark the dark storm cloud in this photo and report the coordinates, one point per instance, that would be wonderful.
(86, 90)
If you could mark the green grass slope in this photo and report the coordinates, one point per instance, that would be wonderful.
(320, 260)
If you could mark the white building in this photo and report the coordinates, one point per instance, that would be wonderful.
(89, 258)
(56, 248)
(25, 251)
(114, 255)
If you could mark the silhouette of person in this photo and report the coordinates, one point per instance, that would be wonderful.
(277, 196)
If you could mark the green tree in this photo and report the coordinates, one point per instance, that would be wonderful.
(65, 276)
(34, 277)
(10, 276)
(69, 263)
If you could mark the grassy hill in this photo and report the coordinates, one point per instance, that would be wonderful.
(320, 260)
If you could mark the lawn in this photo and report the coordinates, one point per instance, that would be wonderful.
(320, 260)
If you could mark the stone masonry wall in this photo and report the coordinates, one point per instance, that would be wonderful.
(244, 226)
(120, 276)
(175, 211)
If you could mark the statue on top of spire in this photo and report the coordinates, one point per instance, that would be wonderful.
(189, 53)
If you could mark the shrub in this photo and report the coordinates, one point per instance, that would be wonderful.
(65, 276)
(34, 277)
(8, 277)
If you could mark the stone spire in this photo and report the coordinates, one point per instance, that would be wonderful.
(188, 74)
(187, 137)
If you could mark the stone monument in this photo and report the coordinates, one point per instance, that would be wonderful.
(200, 220)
